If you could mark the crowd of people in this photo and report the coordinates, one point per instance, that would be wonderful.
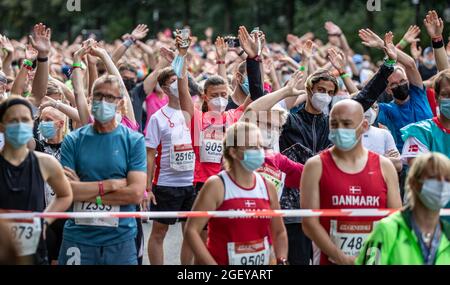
(179, 123)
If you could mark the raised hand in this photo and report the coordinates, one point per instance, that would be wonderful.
(167, 54)
(140, 32)
(332, 28)
(416, 51)
(248, 43)
(6, 44)
(294, 83)
(306, 50)
(370, 39)
(40, 39)
(85, 49)
(221, 48)
(31, 53)
(337, 60)
(179, 42)
(433, 24)
(389, 48)
(412, 34)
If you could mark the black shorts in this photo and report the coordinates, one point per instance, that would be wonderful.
(172, 199)
(54, 239)
(300, 246)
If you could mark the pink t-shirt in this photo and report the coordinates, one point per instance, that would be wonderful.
(153, 104)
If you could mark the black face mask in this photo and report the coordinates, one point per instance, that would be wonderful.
(129, 84)
(401, 92)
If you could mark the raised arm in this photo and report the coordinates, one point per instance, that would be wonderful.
(337, 59)
(435, 28)
(96, 50)
(92, 71)
(8, 49)
(69, 111)
(138, 33)
(20, 82)
(40, 40)
(410, 37)
(334, 29)
(221, 52)
(78, 87)
(186, 103)
(266, 102)
(377, 85)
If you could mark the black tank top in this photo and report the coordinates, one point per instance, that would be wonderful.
(22, 187)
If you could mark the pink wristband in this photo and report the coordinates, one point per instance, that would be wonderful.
(145, 194)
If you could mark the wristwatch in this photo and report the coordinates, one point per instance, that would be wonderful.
(282, 261)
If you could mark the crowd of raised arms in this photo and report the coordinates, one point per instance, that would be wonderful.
(178, 124)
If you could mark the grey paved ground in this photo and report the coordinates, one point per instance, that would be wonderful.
(172, 244)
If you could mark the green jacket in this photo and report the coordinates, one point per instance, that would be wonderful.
(394, 242)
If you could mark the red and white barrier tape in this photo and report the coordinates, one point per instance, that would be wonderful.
(213, 214)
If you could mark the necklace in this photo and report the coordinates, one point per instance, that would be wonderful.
(171, 124)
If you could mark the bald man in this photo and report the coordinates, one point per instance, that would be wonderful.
(346, 176)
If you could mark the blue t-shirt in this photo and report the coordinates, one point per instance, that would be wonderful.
(396, 116)
(97, 157)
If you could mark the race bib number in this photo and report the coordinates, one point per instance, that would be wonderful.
(182, 157)
(211, 149)
(26, 235)
(249, 253)
(275, 176)
(350, 236)
(94, 208)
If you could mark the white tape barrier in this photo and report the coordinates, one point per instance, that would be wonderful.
(213, 214)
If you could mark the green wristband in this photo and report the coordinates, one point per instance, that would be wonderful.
(403, 43)
(27, 94)
(302, 68)
(77, 65)
(98, 201)
(390, 62)
(345, 75)
(28, 62)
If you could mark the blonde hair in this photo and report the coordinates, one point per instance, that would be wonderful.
(432, 161)
(233, 138)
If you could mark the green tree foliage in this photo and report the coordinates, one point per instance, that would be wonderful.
(276, 18)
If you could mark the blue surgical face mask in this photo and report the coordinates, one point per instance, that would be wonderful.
(431, 62)
(344, 139)
(245, 86)
(444, 107)
(103, 111)
(253, 159)
(18, 134)
(47, 129)
(177, 65)
(435, 194)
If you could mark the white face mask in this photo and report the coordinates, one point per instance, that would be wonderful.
(371, 116)
(174, 89)
(320, 101)
(435, 194)
(218, 104)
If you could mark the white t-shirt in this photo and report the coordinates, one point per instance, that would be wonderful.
(412, 149)
(378, 140)
(168, 133)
